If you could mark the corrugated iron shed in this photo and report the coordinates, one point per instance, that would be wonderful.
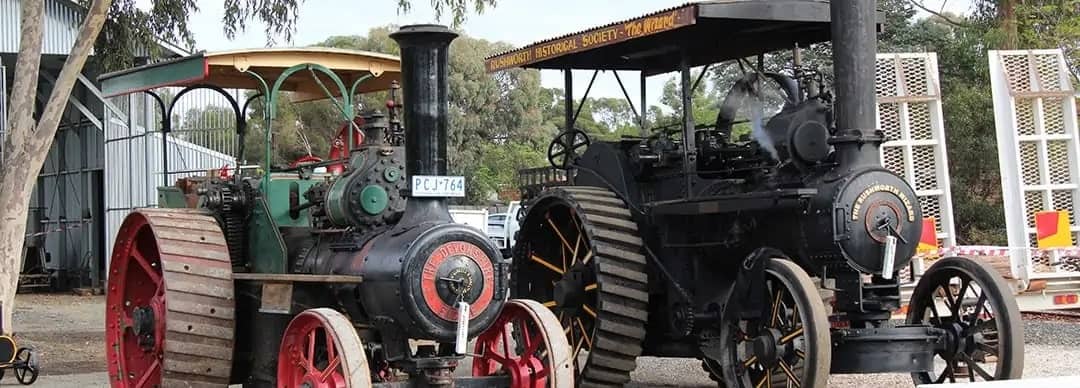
(62, 19)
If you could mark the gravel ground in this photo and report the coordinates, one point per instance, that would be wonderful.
(67, 332)
(1039, 361)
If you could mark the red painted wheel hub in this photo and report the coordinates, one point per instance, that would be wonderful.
(309, 355)
(514, 345)
(135, 309)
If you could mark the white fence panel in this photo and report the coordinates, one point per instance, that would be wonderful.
(1035, 114)
(909, 112)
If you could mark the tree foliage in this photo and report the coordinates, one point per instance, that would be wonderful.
(131, 29)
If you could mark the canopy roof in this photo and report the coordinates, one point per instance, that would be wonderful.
(709, 31)
(226, 70)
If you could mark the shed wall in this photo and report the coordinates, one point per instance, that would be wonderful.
(68, 193)
(62, 20)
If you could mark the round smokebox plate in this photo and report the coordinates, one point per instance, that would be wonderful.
(457, 271)
(373, 199)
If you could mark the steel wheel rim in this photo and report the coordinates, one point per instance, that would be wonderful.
(784, 327)
(520, 344)
(320, 349)
(973, 341)
(136, 288)
(28, 373)
(578, 321)
(315, 355)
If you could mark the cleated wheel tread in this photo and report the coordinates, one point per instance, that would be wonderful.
(619, 253)
(618, 268)
(187, 250)
(598, 199)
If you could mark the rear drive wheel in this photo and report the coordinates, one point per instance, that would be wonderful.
(578, 253)
(789, 346)
(169, 310)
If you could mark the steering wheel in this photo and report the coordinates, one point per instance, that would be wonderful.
(567, 147)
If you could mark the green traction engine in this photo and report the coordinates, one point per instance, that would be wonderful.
(347, 272)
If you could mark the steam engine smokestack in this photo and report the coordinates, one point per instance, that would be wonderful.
(854, 41)
(424, 84)
(424, 60)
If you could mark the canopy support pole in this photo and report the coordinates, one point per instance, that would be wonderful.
(568, 93)
(166, 127)
(629, 100)
(584, 98)
(644, 110)
(700, 76)
(689, 143)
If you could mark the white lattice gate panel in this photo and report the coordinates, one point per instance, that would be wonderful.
(909, 112)
(1035, 114)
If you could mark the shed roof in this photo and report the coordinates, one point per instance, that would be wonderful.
(226, 69)
(709, 31)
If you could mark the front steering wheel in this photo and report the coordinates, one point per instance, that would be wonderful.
(567, 147)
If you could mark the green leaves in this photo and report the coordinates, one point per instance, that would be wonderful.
(131, 32)
(458, 8)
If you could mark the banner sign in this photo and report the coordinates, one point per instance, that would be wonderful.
(597, 37)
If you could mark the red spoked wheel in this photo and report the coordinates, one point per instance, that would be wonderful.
(321, 349)
(169, 309)
(526, 342)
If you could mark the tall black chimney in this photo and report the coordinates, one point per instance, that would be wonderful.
(424, 84)
(854, 41)
(424, 63)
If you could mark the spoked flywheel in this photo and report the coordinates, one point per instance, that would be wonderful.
(321, 349)
(578, 253)
(169, 309)
(984, 338)
(528, 344)
(567, 147)
(788, 344)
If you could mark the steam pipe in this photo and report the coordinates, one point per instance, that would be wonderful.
(425, 85)
(854, 41)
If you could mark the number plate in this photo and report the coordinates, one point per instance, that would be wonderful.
(438, 186)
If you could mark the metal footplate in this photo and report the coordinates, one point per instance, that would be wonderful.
(897, 349)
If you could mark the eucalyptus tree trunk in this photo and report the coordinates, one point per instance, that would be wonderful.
(1007, 13)
(28, 140)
